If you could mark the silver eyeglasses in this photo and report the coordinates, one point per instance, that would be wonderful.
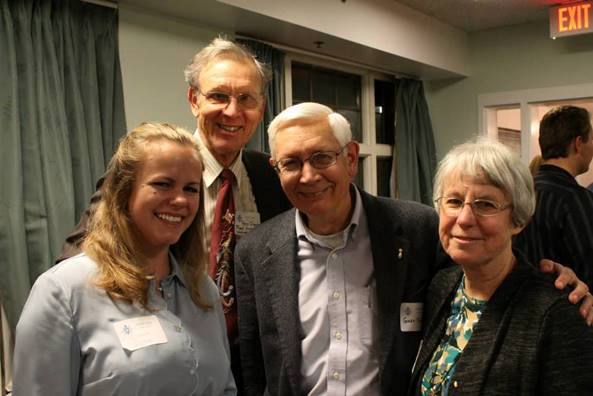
(222, 99)
(318, 160)
(481, 207)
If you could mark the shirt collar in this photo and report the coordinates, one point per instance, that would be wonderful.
(558, 171)
(303, 231)
(176, 272)
(212, 168)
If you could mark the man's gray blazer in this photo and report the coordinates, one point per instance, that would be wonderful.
(404, 241)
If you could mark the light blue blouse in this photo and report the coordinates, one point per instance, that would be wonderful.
(66, 343)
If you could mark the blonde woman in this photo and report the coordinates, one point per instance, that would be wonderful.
(134, 314)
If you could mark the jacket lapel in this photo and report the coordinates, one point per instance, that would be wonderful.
(265, 185)
(479, 354)
(437, 316)
(282, 276)
(389, 250)
(474, 364)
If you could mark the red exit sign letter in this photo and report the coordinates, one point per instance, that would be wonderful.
(571, 19)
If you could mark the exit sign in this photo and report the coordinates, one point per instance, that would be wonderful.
(571, 18)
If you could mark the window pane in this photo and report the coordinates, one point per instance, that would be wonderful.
(348, 91)
(324, 88)
(301, 82)
(355, 120)
(338, 90)
(385, 111)
(383, 176)
(508, 122)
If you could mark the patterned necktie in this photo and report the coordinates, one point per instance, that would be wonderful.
(222, 247)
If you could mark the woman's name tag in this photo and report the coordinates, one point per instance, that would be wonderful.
(140, 332)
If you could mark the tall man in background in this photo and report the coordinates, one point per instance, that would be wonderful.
(562, 226)
(227, 87)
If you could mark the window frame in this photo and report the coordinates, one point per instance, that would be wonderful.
(370, 151)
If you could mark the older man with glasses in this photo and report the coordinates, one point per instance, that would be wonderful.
(226, 93)
(321, 287)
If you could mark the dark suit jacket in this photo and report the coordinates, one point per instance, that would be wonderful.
(268, 275)
(269, 198)
(529, 341)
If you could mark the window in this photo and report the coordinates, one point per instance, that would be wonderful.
(338, 90)
(364, 97)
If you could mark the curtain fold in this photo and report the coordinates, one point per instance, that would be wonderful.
(61, 115)
(414, 164)
(275, 93)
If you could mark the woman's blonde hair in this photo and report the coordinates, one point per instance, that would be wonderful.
(111, 241)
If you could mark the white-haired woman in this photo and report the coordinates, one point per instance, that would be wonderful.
(135, 313)
(494, 325)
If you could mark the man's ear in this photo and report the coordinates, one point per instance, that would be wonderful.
(578, 143)
(192, 97)
(352, 150)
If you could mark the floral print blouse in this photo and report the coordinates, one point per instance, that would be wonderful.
(465, 313)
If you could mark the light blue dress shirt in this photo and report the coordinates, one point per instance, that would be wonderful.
(337, 309)
(66, 343)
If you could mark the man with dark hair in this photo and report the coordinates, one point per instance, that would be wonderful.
(562, 226)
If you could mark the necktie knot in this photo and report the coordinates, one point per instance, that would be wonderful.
(227, 175)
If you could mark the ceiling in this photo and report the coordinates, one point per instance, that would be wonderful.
(467, 15)
(474, 15)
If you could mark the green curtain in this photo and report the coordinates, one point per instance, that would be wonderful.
(61, 116)
(275, 94)
(415, 154)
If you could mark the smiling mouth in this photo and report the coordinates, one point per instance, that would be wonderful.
(229, 128)
(465, 239)
(169, 218)
(314, 194)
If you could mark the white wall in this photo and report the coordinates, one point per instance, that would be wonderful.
(521, 57)
(383, 25)
(154, 50)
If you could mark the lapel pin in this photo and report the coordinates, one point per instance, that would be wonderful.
(400, 253)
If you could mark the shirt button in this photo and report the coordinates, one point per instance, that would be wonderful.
(178, 328)
(455, 384)
(334, 256)
(338, 335)
(336, 295)
(336, 376)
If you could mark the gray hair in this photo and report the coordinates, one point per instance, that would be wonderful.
(309, 111)
(223, 48)
(492, 160)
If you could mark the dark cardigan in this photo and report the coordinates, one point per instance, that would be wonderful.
(529, 340)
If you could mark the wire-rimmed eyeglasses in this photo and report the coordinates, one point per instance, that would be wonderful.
(318, 160)
(481, 207)
(244, 100)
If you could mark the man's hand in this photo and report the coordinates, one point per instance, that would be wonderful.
(566, 277)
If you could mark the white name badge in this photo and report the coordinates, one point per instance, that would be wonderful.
(139, 332)
(410, 315)
(245, 222)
